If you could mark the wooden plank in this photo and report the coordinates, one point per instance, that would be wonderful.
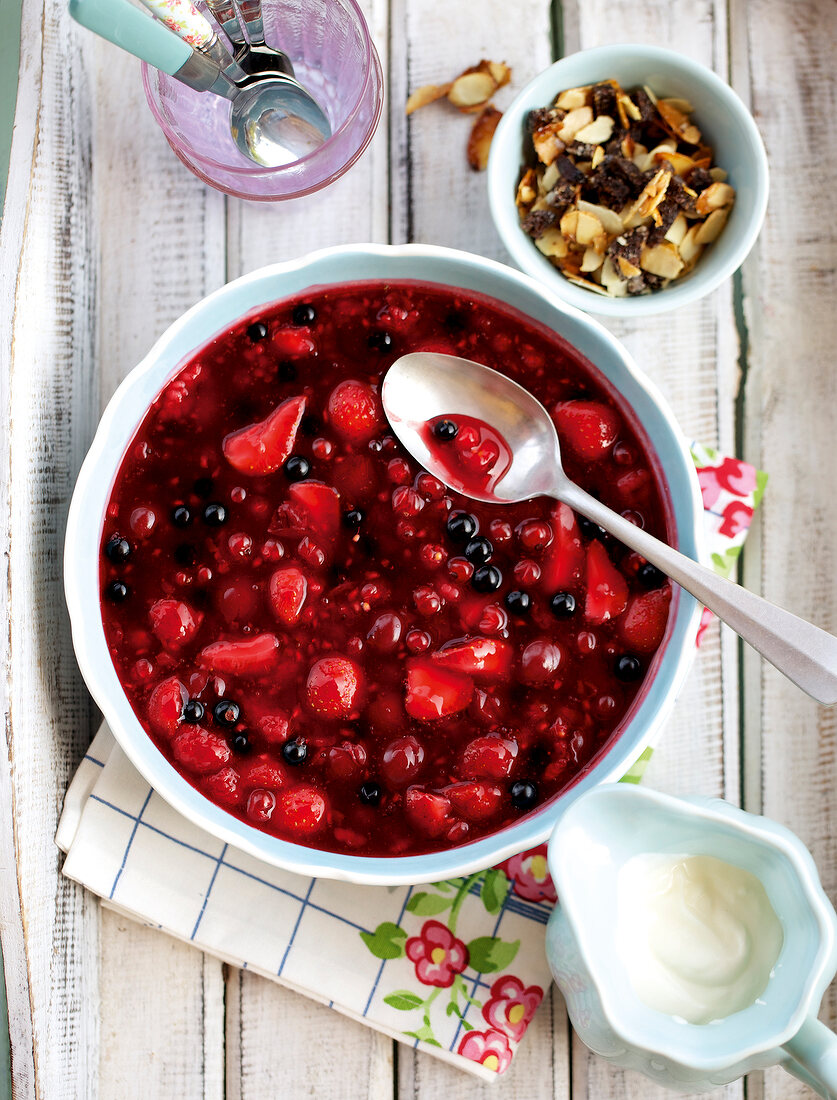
(49, 927)
(332, 1056)
(161, 248)
(691, 355)
(436, 198)
(790, 397)
(162, 1019)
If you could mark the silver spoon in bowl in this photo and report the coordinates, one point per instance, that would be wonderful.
(425, 385)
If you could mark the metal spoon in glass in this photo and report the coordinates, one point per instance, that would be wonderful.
(424, 385)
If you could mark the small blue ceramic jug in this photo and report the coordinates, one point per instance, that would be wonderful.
(597, 835)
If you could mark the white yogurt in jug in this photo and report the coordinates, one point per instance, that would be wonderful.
(698, 936)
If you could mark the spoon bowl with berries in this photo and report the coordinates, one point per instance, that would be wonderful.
(488, 438)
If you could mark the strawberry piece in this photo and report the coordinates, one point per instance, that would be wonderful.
(483, 658)
(293, 343)
(200, 751)
(607, 589)
(261, 448)
(224, 787)
(588, 428)
(354, 411)
(562, 566)
(262, 772)
(474, 801)
(334, 687)
(435, 692)
(321, 505)
(300, 810)
(174, 623)
(645, 620)
(427, 811)
(489, 757)
(249, 657)
(287, 589)
(165, 707)
(273, 728)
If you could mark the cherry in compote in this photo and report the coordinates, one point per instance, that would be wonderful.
(326, 641)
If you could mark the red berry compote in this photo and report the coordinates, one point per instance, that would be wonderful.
(326, 641)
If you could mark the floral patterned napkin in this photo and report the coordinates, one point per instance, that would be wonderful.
(456, 968)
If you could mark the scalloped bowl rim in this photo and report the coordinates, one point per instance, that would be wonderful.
(214, 313)
(598, 63)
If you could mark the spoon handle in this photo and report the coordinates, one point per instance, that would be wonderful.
(182, 17)
(800, 650)
(227, 19)
(251, 12)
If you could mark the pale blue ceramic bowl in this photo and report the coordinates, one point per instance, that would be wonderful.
(217, 312)
(723, 120)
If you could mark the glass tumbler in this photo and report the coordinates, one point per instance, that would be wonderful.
(333, 57)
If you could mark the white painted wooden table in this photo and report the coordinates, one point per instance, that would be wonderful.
(106, 238)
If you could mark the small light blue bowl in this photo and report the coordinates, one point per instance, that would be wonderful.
(212, 316)
(726, 125)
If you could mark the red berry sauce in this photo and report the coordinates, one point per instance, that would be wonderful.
(473, 455)
(323, 639)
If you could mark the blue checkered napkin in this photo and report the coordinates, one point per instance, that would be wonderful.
(457, 969)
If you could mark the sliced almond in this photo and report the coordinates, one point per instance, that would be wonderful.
(716, 195)
(652, 95)
(428, 93)
(630, 108)
(640, 155)
(689, 248)
(500, 72)
(569, 223)
(611, 280)
(588, 284)
(677, 230)
(628, 147)
(552, 243)
(661, 259)
(681, 105)
(626, 269)
(710, 230)
(479, 140)
(527, 188)
(678, 161)
(589, 231)
(547, 143)
(575, 121)
(652, 193)
(610, 220)
(598, 157)
(573, 98)
(678, 123)
(718, 174)
(591, 260)
(549, 178)
(597, 131)
(471, 90)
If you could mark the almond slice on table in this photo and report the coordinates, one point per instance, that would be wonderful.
(479, 141)
(471, 91)
(427, 93)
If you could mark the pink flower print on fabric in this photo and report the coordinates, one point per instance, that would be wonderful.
(490, 1048)
(511, 1006)
(737, 517)
(439, 956)
(732, 475)
(530, 875)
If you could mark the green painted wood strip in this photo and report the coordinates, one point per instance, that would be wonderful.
(9, 61)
